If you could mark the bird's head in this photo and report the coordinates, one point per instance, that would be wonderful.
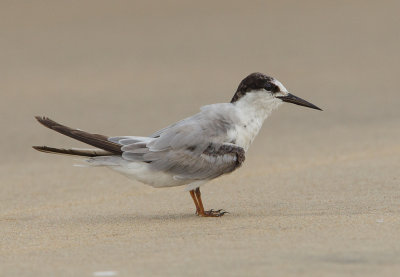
(258, 87)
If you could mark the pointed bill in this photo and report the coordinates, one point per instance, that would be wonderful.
(290, 98)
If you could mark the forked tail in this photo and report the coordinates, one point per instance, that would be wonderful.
(107, 148)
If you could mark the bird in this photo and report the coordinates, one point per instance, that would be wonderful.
(192, 151)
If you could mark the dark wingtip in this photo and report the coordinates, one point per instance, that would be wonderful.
(45, 121)
(40, 119)
(39, 148)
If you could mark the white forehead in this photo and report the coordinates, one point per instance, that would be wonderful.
(279, 84)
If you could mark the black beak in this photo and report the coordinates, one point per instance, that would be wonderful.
(290, 98)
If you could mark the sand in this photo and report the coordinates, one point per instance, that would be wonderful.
(319, 192)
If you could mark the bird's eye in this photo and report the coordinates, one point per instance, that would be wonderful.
(268, 87)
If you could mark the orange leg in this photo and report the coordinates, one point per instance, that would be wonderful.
(195, 201)
(196, 196)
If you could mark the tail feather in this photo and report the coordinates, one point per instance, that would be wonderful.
(73, 151)
(95, 140)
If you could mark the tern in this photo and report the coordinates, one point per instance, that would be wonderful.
(192, 151)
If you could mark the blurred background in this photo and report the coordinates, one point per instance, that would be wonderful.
(133, 67)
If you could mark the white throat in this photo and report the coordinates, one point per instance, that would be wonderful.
(258, 103)
(253, 109)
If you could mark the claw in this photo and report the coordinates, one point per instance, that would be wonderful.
(196, 196)
(213, 213)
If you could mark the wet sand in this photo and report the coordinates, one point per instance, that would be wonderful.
(319, 192)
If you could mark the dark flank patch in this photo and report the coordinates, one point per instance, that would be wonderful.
(191, 148)
(213, 150)
(254, 81)
(240, 155)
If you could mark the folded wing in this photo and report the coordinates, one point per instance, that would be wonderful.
(195, 148)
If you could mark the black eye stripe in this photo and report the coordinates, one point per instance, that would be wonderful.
(269, 86)
(272, 87)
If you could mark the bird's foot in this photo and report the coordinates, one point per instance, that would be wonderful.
(212, 213)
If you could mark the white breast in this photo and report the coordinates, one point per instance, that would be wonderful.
(246, 132)
(252, 110)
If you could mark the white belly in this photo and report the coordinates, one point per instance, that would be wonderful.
(141, 172)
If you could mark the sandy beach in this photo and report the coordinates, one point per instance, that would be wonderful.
(318, 195)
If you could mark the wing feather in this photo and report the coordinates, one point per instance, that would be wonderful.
(195, 148)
